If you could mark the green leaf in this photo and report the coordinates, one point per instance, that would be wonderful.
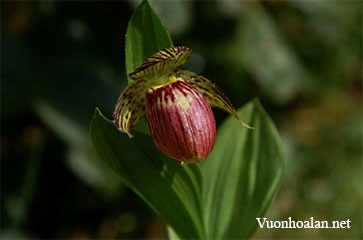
(171, 189)
(145, 36)
(172, 234)
(242, 174)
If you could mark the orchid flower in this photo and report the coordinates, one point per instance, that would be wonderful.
(177, 104)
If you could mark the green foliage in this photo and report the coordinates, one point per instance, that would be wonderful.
(241, 176)
(243, 172)
(145, 36)
(172, 190)
(237, 182)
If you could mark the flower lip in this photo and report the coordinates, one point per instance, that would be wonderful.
(181, 121)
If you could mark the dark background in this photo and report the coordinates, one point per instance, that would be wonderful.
(59, 60)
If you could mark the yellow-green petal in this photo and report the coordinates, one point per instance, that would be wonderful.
(212, 93)
(162, 63)
(130, 106)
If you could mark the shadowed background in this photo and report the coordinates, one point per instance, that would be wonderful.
(59, 60)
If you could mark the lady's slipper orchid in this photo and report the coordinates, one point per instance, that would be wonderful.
(176, 103)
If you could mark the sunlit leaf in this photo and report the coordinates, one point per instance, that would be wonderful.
(242, 175)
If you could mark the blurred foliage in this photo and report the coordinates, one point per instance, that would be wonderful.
(59, 59)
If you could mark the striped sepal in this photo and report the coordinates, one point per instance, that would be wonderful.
(130, 106)
(162, 63)
(212, 93)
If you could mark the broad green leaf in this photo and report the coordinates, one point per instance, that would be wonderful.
(242, 174)
(171, 189)
(145, 36)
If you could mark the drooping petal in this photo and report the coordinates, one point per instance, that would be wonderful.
(212, 93)
(130, 106)
(162, 63)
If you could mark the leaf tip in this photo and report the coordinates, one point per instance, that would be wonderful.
(246, 125)
(96, 114)
(97, 110)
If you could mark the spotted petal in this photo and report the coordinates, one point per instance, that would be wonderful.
(212, 93)
(130, 106)
(162, 63)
